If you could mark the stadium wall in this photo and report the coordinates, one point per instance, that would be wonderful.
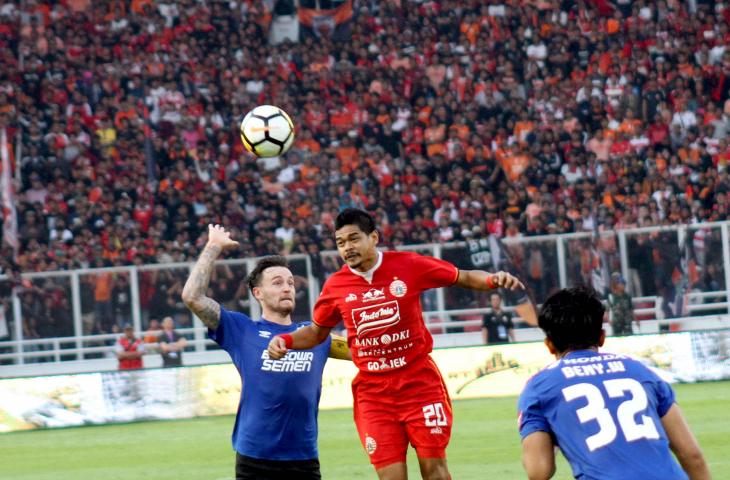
(470, 372)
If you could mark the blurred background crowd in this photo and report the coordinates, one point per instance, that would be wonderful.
(450, 120)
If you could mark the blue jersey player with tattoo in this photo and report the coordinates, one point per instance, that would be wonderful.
(275, 434)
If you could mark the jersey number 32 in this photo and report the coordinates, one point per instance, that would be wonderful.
(632, 427)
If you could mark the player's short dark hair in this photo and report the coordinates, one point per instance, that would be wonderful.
(572, 318)
(354, 216)
(254, 277)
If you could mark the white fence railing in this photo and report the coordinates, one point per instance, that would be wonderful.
(681, 271)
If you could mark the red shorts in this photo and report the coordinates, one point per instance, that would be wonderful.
(410, 405)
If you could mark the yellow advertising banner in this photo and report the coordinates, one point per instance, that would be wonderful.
(469, 372)
(219, 387)
(503, 370)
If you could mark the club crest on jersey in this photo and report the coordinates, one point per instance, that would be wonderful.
(370, 445)
(373, 294)
(351, 297)
(375, 317)
(398, 288)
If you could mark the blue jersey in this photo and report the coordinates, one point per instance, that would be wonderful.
(604, 412)
(277, 413)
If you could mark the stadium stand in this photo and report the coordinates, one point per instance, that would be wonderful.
(449, 119)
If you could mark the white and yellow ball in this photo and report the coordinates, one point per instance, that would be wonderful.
(267, 131)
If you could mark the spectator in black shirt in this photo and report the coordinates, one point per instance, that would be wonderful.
(171, 343)
(497, 326)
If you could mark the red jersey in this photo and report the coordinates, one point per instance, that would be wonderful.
(130, 363)
(382, 308)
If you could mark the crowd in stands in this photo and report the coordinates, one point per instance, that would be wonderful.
(448, 119)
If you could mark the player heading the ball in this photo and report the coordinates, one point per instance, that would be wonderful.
(400, 396)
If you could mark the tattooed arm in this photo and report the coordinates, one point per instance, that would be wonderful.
(194, 292)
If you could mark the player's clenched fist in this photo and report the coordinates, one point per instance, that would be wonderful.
(277, 348)
(504, 280)
(218, 236)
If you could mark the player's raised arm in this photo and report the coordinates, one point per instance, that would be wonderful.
(481, 280)
(303, 339)
(193, 294)
(684, 445)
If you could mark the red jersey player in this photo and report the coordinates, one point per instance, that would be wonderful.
(399, 394)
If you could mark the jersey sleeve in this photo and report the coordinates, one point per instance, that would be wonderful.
(531, 417)
(231, 330)
(663, 392)
(326, 314)
(433, 272)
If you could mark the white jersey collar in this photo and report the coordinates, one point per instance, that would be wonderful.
(368, 276)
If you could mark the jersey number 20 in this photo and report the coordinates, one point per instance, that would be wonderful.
(435, 416)
(626, 413)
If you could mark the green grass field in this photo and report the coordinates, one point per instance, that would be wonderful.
(484, 445)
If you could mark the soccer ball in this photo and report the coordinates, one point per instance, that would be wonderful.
(267, 131)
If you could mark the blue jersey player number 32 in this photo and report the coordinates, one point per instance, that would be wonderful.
(611, 416)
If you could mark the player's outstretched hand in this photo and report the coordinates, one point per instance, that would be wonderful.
(218, 236)
(277, 348)
(506, 280)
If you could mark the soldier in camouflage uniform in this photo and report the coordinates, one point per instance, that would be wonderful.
(619, 302)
